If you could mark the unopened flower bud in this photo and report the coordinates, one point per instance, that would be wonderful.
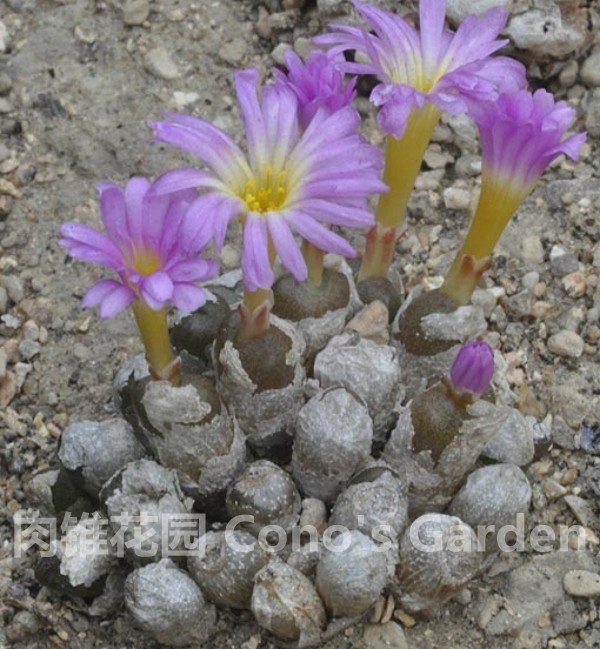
(473, 368)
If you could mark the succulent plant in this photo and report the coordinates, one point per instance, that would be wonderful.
(166, 602)
(266, 493)
(351, 574)
(333, 439)
(286, 603)
(224, 565)
(439, 555)
(494, 496)
(261, 382)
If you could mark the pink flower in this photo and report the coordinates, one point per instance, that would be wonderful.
(145, 246)
(291, 181)
(430, 65)
(318, 84)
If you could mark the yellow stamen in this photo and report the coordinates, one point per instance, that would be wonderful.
(266, 194)
(146, 262)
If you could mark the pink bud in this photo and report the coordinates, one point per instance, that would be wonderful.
(473, 367)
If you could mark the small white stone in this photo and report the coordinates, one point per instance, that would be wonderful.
(182, 100)
(383, 636)
(582, 583)
(135, 12)
(279, 52)
(160, 64)
(566, 343)
(372, 322)
(234, 51)
(458, 10)
(3, 37)
(544, 31)
(590, 70)
(456, 198)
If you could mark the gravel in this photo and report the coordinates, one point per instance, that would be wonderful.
(81, 82)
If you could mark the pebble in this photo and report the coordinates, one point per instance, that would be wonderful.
(574, 284)
(553, 489)
(279, 52)
(8, 389)
(592, 115)
(544, 32)
(135, 12)
(3, 37)
(590, 70)
(562, 263)
(182, 100)
(530, 280)
(467, 166)
(458, 10)
(81, 352)
(303, 47)
(404, 618)
(581, 509)
(372, 322)
(566, 343)
(29, 348)
(3, 362)
(13, 287)
(21, 372)
(159, 63)
(3, 300)
(568, 75)
(437, 159)
(23, 624)
(384, 636)
(456, 198)
(532, 250)
(5, 106)
(233, 52)
(582, 583)
(330, 7)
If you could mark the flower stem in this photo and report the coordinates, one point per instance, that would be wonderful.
(496, 206)
(314, 261)
(379, 251)
(403, 160)
(154, 332)
(255, 312)
(402, 165)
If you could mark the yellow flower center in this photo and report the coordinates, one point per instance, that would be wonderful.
(267, 194)
(146, 262)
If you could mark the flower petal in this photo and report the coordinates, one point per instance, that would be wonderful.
(112, 296)
(287, 248)
(318, 235)
(157, 289)
(184, 178)
(193, 270)
(90, 245)
(188, 297)
(256, 265)
(135, 192)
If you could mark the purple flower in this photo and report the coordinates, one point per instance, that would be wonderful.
(521, 134)
(145, 244)
(431, 65)
(289, 182)
(473, 368)
(318, 83)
